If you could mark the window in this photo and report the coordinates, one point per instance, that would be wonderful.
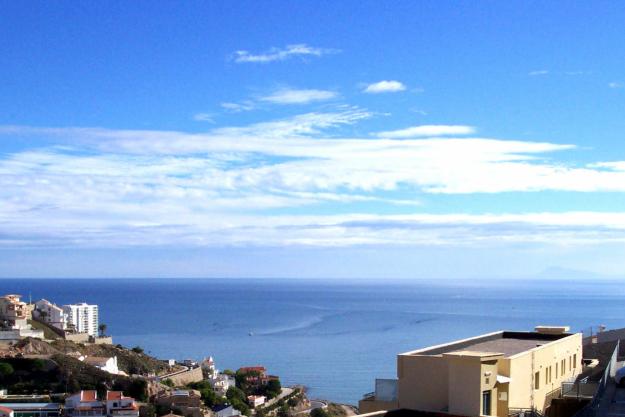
(562, 366)
(556, 369)
(575, 361)
(570, 363)
(537, 380)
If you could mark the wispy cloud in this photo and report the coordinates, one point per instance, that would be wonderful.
(204, 117)
(142, 187)
(385, 86)
(246, 105)
(294, 96)
(616, 85)
(280, 54)
(428, 130)
(538, 72)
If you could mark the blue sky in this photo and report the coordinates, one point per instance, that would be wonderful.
(312, 139)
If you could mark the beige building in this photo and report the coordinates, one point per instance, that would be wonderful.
(14, 313)
(497, 374)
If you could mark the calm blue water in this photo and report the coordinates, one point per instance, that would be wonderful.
(334, 337)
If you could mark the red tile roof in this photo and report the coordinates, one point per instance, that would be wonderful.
(90, 395)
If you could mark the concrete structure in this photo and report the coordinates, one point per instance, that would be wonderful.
(14, 314)
(103, 363)
(256, 400)
(493, 374)
(87, 404)
(185, 377)
(51, 314)
(30, 410)
(82, 318)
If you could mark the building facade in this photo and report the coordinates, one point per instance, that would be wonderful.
(82, 318)
(51, 314)
(30, 410)
(497, 374)
(14, 314)
(87, 404)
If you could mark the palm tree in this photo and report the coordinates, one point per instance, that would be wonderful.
(102, 329)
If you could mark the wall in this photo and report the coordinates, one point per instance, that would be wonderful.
(77, 337)
(464, 386)
(417, 392)
(184, 378)
(522, 371)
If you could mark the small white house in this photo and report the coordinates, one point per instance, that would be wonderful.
(256, 400)
(105, 364)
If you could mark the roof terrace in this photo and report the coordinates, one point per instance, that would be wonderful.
(506, 343)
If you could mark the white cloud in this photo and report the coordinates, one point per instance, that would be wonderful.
(245, 105)
(281, 54)
(616, 85)
(538, 72)
(131, 187)
(204, 117)
(386, 86)
(294, 96)
(427, 130)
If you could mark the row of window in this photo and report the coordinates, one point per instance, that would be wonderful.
(560, 370)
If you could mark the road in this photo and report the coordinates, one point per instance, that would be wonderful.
(285, 392)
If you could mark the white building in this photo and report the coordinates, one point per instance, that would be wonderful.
(87, 404)
(221, 383)
(82, 318)
(256, 400)
(104, 364)
(51, 314)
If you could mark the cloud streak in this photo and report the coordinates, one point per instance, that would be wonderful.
(295, 96)
(385, 86)
(301, 50)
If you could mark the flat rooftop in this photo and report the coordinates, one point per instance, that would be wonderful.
(506, 343)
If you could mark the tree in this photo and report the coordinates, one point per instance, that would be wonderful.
(137, 349)
(168, 382)
(319, 412)
(6, 369)
(273, 388)
(237, 398)
(102, 329)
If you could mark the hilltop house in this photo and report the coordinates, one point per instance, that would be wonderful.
(104, 364)
(496, 374)
(14, 316)
(51, 314)
(221, 383)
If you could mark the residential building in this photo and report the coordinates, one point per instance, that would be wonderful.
(226, 410)
(50, 313)
(117, 405)
(14, 314)
(256, 400)
(181, 398)
(87, 404)
(185, 402)
(256, 375)
(221, 383)
(82, 318)
(495, 374)
(103, 363)
(30, 410)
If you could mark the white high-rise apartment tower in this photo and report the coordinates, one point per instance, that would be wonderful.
(82, 317)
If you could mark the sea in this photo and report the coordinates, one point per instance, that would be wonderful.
(332, 336)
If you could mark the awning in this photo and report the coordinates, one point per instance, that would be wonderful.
(503, 379)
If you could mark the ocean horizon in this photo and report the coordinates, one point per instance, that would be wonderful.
(333, 336)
